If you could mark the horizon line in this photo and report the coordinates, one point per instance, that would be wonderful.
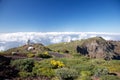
(67, 32)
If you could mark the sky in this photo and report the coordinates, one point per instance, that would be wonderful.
(60, 16)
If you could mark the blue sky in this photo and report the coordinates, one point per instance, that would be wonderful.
(60, 16)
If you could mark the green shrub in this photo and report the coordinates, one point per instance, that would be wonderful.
(55, 78)
(44, 55)
(30, 55)
(101, 71)
(77, 55)
(66, 74)
(43, 68)
(83, 67)
(43, 64)
(25, 74)
(85, 78)
(23, 64)
(64, 51)
(97, 61)
(71, 61)
(44, 72)
(109, 77)
(85, 75)
(84, 58)
(113, 66)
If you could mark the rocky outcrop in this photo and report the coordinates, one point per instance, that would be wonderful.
(97, 47)
(116, 46)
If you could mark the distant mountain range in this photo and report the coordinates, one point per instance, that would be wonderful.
(10, 40)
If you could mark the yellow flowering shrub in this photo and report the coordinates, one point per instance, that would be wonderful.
(57, 64)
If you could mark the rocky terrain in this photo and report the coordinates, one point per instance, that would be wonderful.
(86, 59)
(95, 47)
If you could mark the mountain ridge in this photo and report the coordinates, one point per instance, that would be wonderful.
(95, 47)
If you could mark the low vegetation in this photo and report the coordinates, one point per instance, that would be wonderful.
(45, 66)
(76, 68)
(44, 55)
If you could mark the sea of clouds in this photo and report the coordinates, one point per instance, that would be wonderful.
(10, 40)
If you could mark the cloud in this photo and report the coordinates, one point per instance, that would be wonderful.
(10, 40)
(2, 48)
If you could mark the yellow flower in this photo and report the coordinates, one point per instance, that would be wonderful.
(57, 64)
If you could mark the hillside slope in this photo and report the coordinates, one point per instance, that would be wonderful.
(95, 47)
(33, 48)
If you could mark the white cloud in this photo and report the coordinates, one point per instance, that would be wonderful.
(2, 48)
(67, 39)
(56, 39)
(9, 40)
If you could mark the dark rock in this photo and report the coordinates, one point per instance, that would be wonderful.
(97, 47)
